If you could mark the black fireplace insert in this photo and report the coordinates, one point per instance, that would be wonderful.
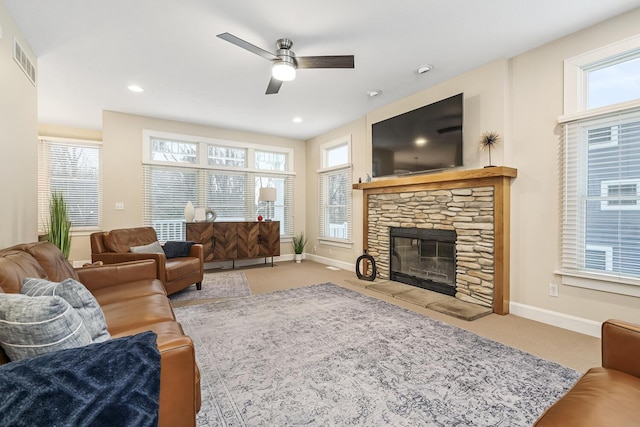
(424, 257)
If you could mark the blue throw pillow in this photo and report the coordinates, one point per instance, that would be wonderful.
(177, 249)
(80, 299)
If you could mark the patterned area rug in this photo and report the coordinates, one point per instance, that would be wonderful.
(325, 355)
(232, 284)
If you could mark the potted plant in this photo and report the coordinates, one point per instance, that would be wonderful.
(59, 225)
(298, 243)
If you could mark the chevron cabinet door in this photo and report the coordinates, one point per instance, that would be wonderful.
(202, 232)
(269, 238)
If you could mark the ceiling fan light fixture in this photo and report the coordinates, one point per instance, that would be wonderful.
(283, 71)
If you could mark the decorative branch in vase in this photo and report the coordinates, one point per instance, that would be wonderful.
(489, 140)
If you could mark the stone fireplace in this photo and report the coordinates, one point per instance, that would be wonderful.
(450, 232)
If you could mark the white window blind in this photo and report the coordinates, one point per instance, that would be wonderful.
(73, 169)
(601, 224)
(219, 178)
(335, 204)
(166, 192)
(334, 188)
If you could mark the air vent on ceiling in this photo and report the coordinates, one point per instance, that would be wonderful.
(24, 61)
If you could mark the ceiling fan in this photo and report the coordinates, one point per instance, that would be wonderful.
(285, 62)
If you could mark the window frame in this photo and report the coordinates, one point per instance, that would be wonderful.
(324, 171)
(44, 178)
(205, 169)
(576, 109)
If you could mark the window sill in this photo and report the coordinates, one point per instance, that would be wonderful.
(333, 242)
(614, 285)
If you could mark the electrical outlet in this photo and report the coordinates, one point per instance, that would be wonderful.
(119, 206)
(314, 249)
(553, 290)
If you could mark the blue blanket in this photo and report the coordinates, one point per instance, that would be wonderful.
(113, 383)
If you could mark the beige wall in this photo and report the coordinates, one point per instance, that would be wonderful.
(521, 98)
(18, 142)
(484, 105)
(357, 131)
(122, 168)
(537, 101)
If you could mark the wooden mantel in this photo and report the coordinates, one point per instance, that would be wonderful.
(498, 177)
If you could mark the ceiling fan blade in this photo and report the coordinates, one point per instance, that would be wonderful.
(338, 61)
(247, 46)
(274, 86)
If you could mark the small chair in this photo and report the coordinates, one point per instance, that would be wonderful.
(177, 273)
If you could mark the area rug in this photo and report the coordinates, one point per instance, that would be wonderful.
(324, 355)
(232, 284)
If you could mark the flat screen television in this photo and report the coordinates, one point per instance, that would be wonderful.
(426, 139)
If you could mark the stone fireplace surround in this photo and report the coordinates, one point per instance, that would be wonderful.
(474, 203)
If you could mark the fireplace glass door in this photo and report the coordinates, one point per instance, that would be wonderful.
(424, 259)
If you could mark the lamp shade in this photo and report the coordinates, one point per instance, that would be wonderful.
(267, 194)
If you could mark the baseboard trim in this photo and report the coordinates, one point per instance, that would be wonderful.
(561, 320)
(332, 262)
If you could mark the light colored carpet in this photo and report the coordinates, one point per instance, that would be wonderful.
(325, 355)
(232, 284)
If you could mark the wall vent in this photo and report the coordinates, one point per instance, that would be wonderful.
(23, 60)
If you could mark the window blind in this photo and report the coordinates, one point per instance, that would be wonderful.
(335, 204)
(73, 169)
(601, 222)
(232, 194)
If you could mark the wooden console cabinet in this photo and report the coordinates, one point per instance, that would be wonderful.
(229, 241)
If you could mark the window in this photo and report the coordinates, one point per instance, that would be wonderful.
(601, 221)
(622, 194)
(72, 168)
(335, 191)
(612, 82)
(212, 174)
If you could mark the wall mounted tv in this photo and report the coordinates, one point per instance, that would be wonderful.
(426, 139)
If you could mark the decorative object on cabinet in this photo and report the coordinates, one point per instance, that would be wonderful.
(488, 140)
(189, 212)
(200, 215)
(229, 241)
(210, 215)
(268, 195)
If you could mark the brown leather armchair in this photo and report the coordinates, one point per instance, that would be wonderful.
(114, 246)
(606, 396)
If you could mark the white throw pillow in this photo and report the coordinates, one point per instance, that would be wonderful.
(151, 248)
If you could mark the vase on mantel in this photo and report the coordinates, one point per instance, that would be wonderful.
(189, 212)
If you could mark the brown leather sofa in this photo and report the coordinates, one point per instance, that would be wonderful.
(114, 246)
(133, 301)
(605, 396)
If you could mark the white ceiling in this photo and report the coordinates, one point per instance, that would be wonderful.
(89, 52)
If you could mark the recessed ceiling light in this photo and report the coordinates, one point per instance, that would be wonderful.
(374, 93)
(135, 88)
(297, 120)
(424, 69)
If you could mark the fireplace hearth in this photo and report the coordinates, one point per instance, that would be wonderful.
(424, 257)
